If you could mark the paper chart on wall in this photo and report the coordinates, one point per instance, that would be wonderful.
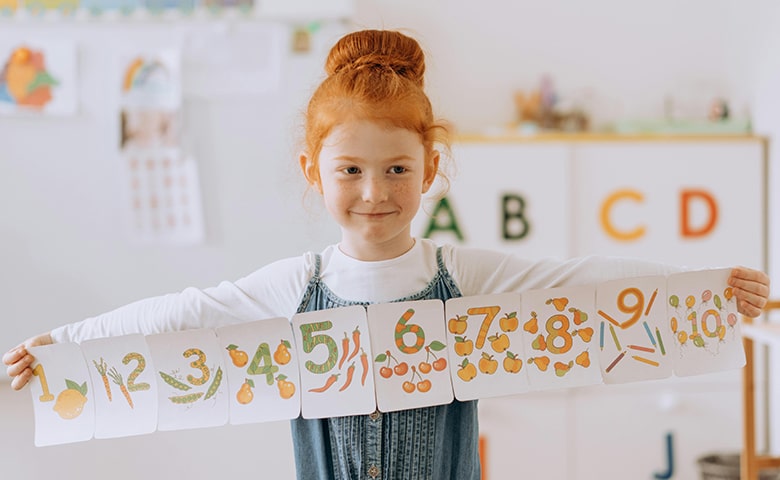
(39, 77)
(125, 390)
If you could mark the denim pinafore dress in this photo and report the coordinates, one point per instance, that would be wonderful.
(438, 442)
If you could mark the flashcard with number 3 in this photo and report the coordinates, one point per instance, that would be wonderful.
(336, 379)
(63, 399)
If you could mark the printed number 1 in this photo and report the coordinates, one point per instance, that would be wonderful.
(47, 396)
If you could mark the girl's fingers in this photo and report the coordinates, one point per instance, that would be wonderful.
(20, 366)
(22, 379)
(12, 356)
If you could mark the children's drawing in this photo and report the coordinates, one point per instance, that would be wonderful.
(704, 322)
(330, 387)
(410, 365)
(632, 337)
(38, 77)
(485, 346)
(558, 328)
(262, 371)
(124, 387)
(190, 370)
(151, 80)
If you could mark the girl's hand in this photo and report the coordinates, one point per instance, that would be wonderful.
(751, 289)
(19, 360)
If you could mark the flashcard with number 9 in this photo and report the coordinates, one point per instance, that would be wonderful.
(63, 399)
(334, 349)
(410, 365)
(262, 371)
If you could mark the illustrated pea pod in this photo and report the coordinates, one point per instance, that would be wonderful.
(185, 399)
(174, 383)
(214, 384)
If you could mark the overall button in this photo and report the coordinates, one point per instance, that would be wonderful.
(373, 471)
(374, 415)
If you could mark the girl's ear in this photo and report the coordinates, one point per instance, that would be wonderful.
(431, 168)
(310, 172)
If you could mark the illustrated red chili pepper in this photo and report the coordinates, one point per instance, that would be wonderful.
(356, 340)
(344, 350)
(350, 373)
(331, 380)
(364, 362)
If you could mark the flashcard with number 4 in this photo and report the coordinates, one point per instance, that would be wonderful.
(704, 322)
(262, 371)
(410, 365)
(125, 387)
(189, 370)
(336, 378)
(486, 346)
(558, 329)
(63, 399)
(631, 316)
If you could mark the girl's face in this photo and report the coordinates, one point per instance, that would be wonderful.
(372, 177)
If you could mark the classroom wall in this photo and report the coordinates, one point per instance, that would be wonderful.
(65, 253)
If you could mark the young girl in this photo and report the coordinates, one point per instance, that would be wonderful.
(370, 136)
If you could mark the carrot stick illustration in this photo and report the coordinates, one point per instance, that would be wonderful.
(331, 380)
(344, 349)
(364, 363)
(101, 368)
(117, 378)
(356, 340)
(350, 373)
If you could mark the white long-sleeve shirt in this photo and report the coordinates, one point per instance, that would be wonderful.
(276, 289)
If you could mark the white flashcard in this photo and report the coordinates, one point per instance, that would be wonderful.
(485, 346)
(410, 363)
(334, 351)
(262, 371)
(124, 385)
(633, 340)
(189, 369)
(559, 328)
(63, 399)
(704, 322)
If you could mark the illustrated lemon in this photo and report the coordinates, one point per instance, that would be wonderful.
(70, 402)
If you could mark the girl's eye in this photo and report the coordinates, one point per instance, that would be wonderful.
(398, 169)
(352, 170)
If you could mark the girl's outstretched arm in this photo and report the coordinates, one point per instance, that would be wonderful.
(19, 360)
(751, 289)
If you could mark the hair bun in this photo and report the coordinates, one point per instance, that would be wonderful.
(378, 50)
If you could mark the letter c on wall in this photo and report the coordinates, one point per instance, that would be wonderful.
(606, 222)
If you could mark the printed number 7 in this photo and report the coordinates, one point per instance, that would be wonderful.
(310, 341)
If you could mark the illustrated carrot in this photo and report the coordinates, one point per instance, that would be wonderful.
(331, 380)
(356, 340)
(344, 350)
(350, 373)
(364, 363)
(117, 378)
(101, 368)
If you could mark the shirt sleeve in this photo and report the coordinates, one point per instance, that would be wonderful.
(272, 291)
(480, 272)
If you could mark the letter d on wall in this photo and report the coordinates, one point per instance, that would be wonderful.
(704, 228)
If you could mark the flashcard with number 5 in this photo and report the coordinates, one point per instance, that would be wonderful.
(410, 364)
(336, 377)
(262, 371)
(63, 399)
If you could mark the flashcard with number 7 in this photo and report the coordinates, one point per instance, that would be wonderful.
(189, 372)
(262, 371)
(410, 365)
(125, 387)
(63, 399)
(334, 351)
(486, 346)
(633, 340)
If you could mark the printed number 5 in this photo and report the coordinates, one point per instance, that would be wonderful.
(310, 341)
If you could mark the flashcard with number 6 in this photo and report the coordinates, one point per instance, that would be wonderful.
(63, 399)
(262, 371)
(410, 364)
(334, 349)
(125, 388)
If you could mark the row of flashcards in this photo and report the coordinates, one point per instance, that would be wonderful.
(389, 356)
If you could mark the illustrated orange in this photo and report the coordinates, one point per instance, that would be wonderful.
(70, 402)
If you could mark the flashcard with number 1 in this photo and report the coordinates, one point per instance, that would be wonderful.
(63, 399)
(335, 379)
